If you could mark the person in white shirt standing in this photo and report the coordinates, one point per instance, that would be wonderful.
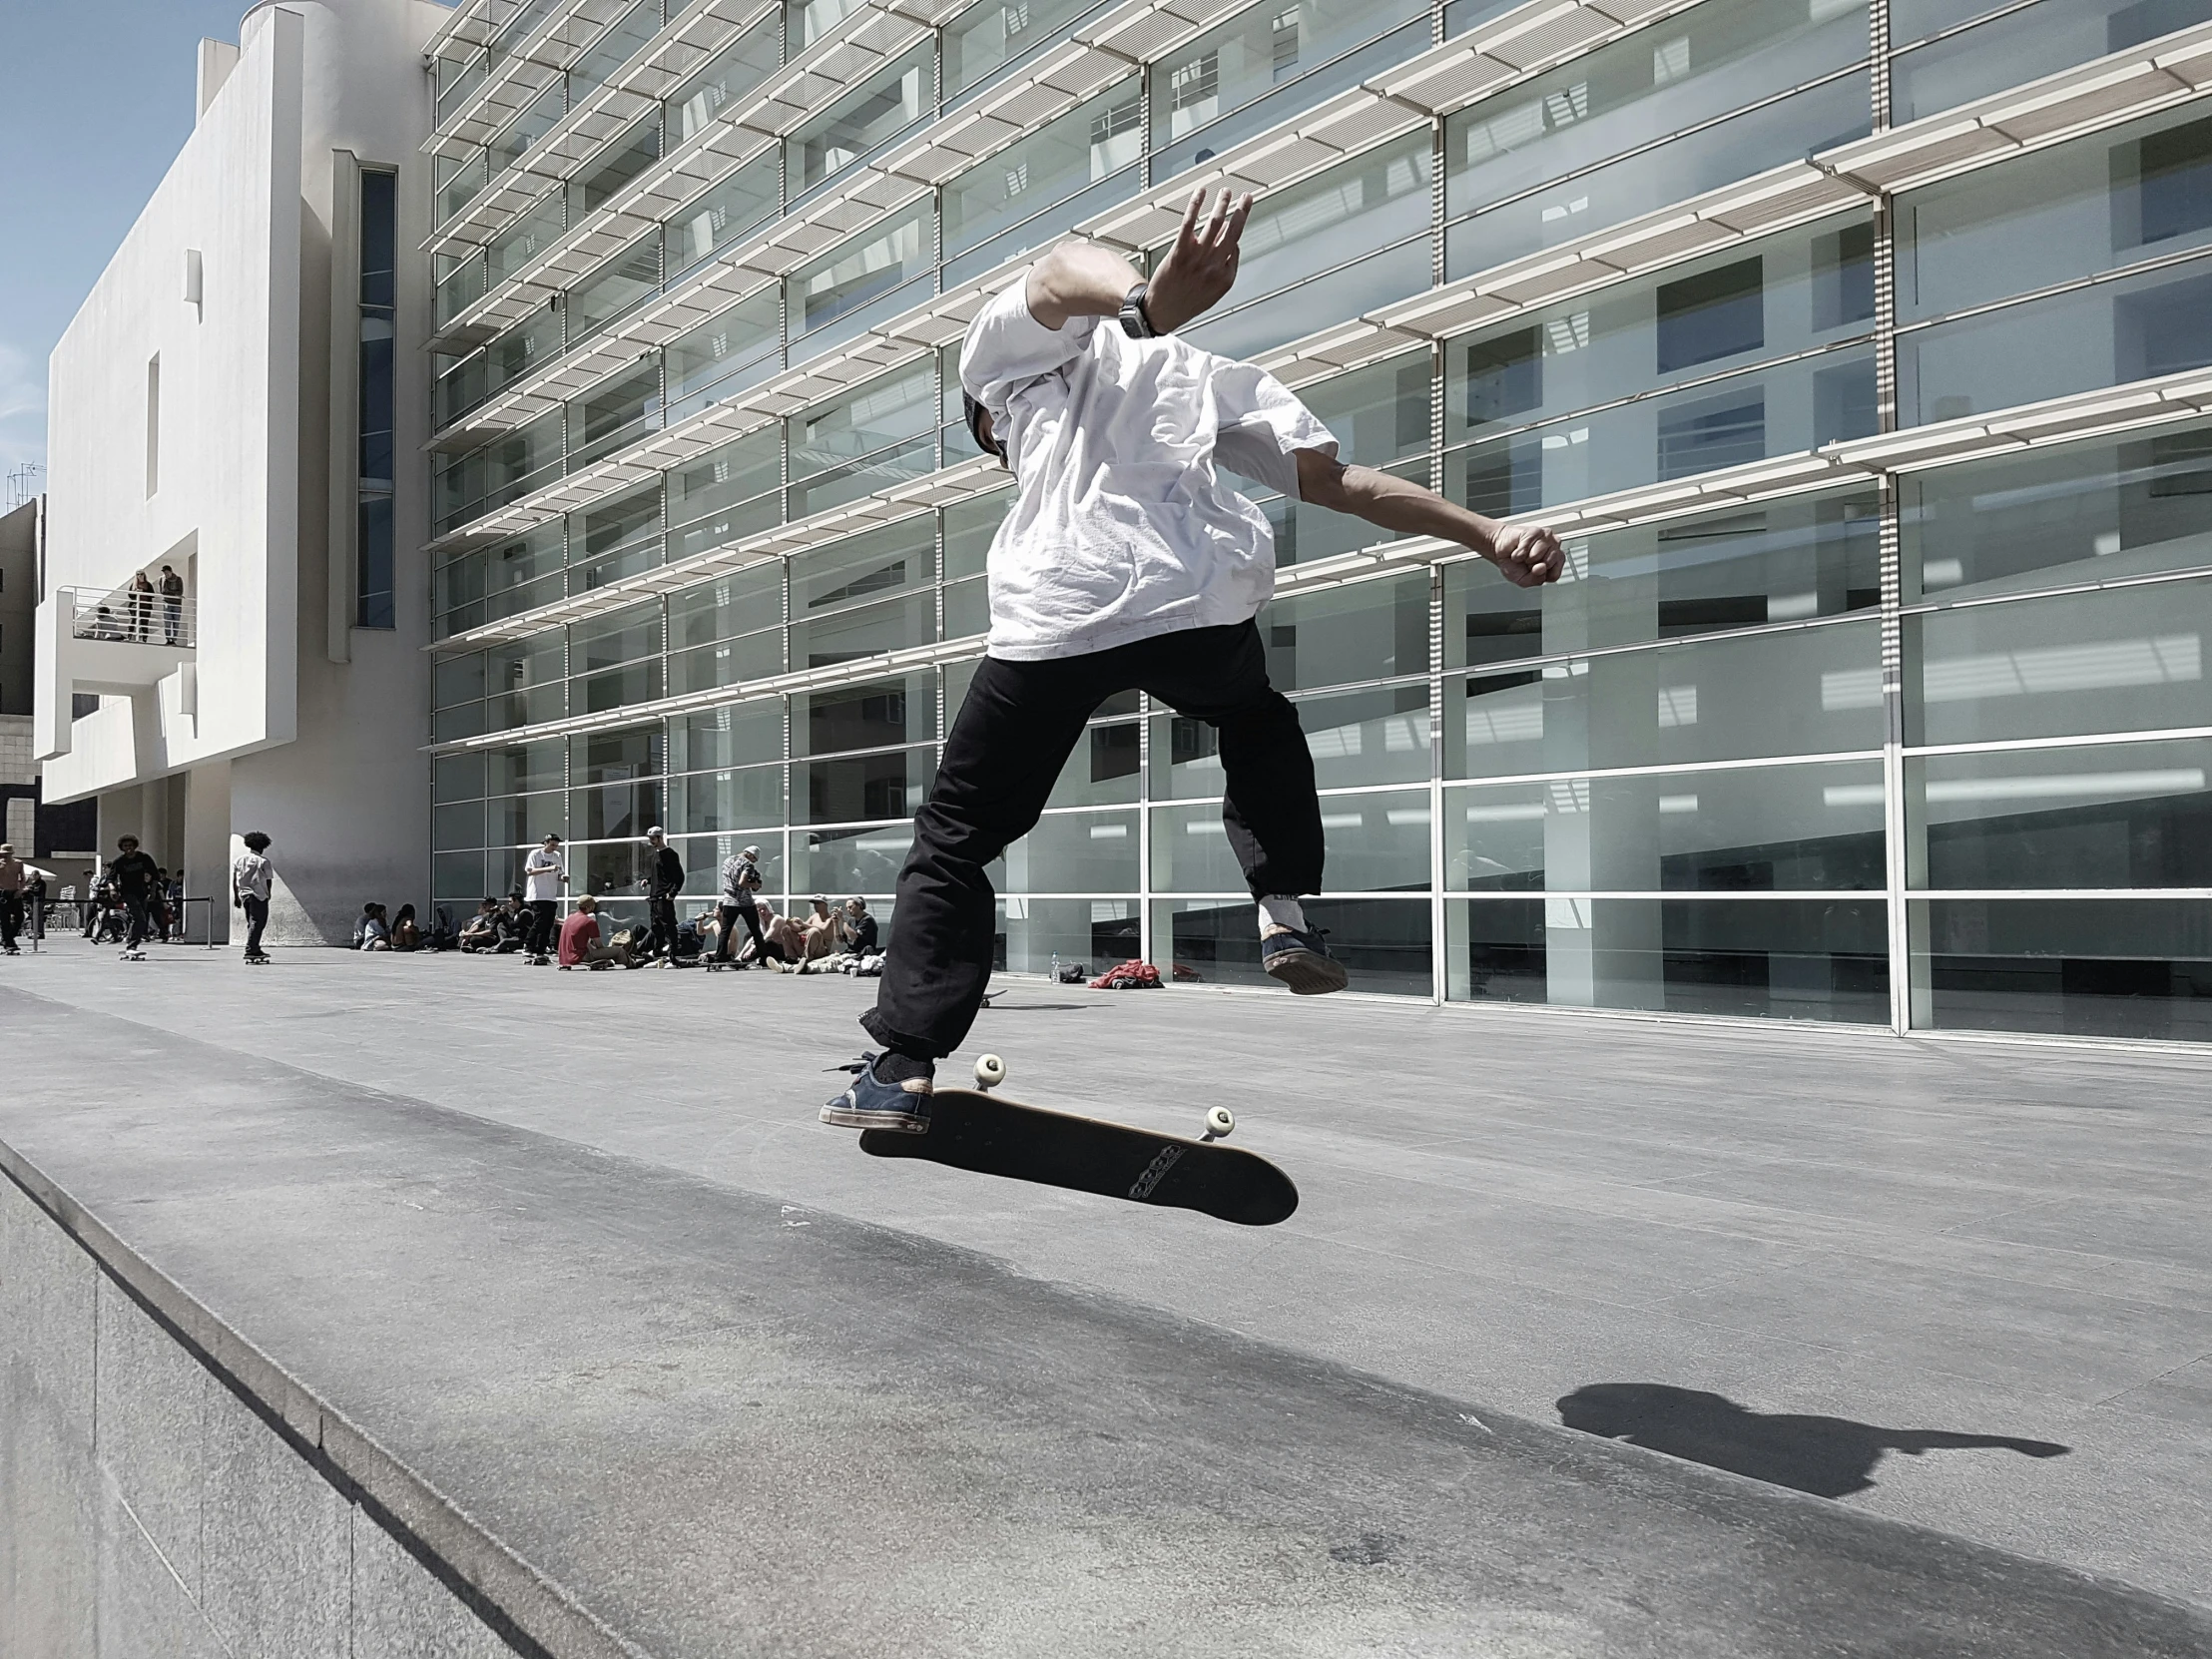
(1127, 562)
(250, 874)
(543, 878)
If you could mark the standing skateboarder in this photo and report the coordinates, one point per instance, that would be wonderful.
(1127, 562)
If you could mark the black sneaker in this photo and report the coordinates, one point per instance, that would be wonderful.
(889, 1091)
(1302, 961)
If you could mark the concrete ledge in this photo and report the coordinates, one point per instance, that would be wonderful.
(621, 1411)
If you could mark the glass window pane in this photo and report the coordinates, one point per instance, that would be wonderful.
(1071, 852)
(987, 37)
(726, 801)
(879, 714)
(462, 824)
(1102, 770)
(742, 602)
(2080, 967)
(1091, 934)
(457, 776)
(456, 680)
(861, 423)
(1825, 959)
(2086, 512)
(613, 415)
(1800, 691)
(727, 494)
(614, 166)
(864, 631)
(457, 877)
(871, 566)
(875, 113)
(2127, 660)
(535, 766)
(733, 72)
(1376, 842)
(1801, 557)
(2134, 814)
(847, 862)
(1068, 153)
(525, 820)
(1383, 943)
(726, 355)
(967, 608)
(631, 275)
(730, 661)
(735, 735)
(618, 637)
(1292, 278)
(1367, 736)
(2020, 44)
(1375, 630)
(527, 682)
(860, 787)
(1788, 828)
(1659, 82)
(616, 538)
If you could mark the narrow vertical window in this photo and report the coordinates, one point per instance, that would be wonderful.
(154, 424)
(372, 566)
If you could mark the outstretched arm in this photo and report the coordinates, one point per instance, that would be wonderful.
(1081, 278)
(1527, 556)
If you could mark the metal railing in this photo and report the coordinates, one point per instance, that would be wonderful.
(133, 616)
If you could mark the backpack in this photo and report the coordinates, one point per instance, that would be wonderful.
(1128, 977)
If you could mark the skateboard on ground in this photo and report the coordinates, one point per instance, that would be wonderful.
(973, 1129)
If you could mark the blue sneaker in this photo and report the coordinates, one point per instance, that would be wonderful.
(889, 1091)
(1302, 961)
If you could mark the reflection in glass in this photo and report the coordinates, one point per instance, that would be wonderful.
(2135, 815)
(1091, 934)
(1800, 691)
(1071, 852)
(1383, 943)
(1780, 828)
(1818, 960)
(2080, 967)
(2019, 43)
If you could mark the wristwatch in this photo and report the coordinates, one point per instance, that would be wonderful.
(1136, 322)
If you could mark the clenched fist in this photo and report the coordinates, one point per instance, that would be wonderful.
(1528, 555)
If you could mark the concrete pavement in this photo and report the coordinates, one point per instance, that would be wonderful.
(1900, 1274)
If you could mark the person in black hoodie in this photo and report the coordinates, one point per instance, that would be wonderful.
(663, 879)
(134, 873)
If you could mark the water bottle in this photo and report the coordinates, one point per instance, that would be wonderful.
(1055, 967)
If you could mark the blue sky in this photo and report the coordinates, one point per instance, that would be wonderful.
(99, 101)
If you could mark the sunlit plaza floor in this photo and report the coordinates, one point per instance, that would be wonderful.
(1964, 1284)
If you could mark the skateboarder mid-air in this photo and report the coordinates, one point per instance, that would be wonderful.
(1127, 562)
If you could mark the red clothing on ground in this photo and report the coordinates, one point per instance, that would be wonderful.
(579, 930)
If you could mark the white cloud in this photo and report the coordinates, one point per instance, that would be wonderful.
(22, 408)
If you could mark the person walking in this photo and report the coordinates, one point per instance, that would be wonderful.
(663, 879)
(1126, 563)
(741, 880)
(173, 606)
(134, 874)
(543, 876)
(250, 878)
(15, 875)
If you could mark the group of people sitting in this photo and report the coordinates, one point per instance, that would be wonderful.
(379, 929)
(842, 939)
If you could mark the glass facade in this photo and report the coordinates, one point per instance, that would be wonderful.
(1921, 742)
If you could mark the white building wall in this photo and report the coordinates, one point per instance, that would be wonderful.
(277, 721)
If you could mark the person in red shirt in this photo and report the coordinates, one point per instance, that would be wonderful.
(580, 943)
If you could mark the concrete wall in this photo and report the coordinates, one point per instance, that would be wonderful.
(147, 1510)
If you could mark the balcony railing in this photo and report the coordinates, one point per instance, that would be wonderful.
(128, 616)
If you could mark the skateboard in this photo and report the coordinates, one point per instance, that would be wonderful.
(973, 1129)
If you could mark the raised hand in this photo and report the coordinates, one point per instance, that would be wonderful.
(1528, 555)
(1202, 266)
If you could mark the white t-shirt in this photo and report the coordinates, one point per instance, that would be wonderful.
(1124, 529)
(250, 876)
(542, 876)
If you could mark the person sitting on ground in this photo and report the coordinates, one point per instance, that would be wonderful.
(373, 930)
(820, 941)
(406, 932)
(481, 931)
(513, 922)
(580, 943)
(856, 929)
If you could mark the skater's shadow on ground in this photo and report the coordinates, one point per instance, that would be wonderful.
(1828, 1456)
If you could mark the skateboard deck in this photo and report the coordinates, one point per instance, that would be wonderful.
(991, 1135)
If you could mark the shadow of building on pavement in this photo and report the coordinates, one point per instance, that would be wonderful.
(1826, 1456)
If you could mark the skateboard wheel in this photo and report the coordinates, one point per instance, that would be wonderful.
(989, 1070)
(1219, 1120)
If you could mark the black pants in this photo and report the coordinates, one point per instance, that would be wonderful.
(11, 918)
(541, 926)
(729, 916)
(661, 907)
(257, 919)
(142, 918)
(1016, 731)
